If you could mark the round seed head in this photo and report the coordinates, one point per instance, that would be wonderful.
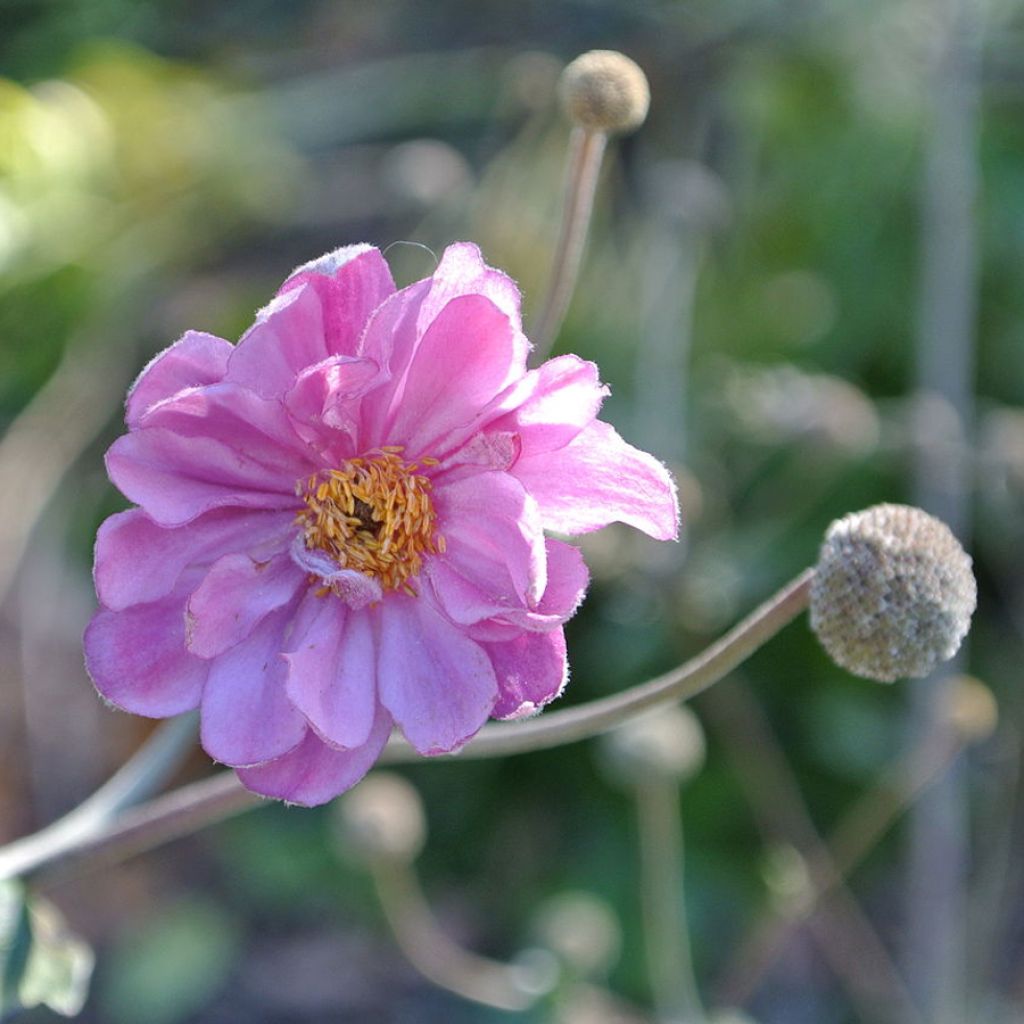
(666, 742)
(892, 594)
(604, 91)
(383, 817)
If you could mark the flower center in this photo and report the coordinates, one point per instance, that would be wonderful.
(374, 515)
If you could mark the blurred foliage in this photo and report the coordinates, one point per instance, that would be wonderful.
(41, 962)
(185, 157)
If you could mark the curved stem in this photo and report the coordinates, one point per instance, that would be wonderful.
(221, 796)
(436, 956)
(586, 150)
(140, 776)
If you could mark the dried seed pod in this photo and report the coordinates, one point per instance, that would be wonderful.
(893, 593)
(605, 91)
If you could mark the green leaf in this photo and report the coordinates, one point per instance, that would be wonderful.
(41, 961)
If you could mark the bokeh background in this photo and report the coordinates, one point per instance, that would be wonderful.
(804, 288)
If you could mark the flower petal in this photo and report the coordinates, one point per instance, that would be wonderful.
(351, 282)
(560, 398)
(462, 271)
(237, 417)
(332, 671)
(237, 593)
(193, 360)
(568, 578)
(598, 479)
(532, 671)
(288, 336)
(313, 772)
(437, 683)
(467, 355)
(176, 479)
(138, 561)
(247, 717)
(138, 660)
(493, 534)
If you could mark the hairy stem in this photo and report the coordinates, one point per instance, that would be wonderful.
(203, 803)
(586, 150)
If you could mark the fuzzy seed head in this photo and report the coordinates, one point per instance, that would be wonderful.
(383, 817)
(604, 91)
(892, 594)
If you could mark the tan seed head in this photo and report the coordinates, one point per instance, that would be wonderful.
(604, 91)
(892, 594)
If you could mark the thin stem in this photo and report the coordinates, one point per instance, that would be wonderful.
(856, 835)
(556, 728)
(436, 956)
(203, 803)
(586, 150)
(139, 777)
(666, 934)
(842, 931)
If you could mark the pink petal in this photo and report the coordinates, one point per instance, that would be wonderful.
(493, 533)
(176, 479)
(237, 593)
(138, 561)
(462, 271)
(467, 355)
(437, 683)
(561, 398)
(195, 359)
(237, 417)
(288, 336)
(246, 716)
(390, 341)
(138, 660)
(354, 588)
(532, 671)
(332, 671)
(567, 583)
(313, 772)
(598, 479)
(325, 401)
(545, 408)
(351, 282)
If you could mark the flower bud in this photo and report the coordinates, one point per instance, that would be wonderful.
(604, 91)
(582, 931)
(892, 594)
(665, 742)
(383, 817)
(972, 709)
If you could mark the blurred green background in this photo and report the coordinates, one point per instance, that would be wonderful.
(753, 290)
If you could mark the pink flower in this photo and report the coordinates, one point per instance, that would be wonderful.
(341, 523)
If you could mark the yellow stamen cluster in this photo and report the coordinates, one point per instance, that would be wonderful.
(374, 515)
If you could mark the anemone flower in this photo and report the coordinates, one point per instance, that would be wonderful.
(341, 523)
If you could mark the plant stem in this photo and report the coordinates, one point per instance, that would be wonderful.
(666, 933)
(140, 776)
(436, 956)
(203, 803)
(586, 150)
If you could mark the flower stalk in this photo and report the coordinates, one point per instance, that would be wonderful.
(46, 857)
(583, 169)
